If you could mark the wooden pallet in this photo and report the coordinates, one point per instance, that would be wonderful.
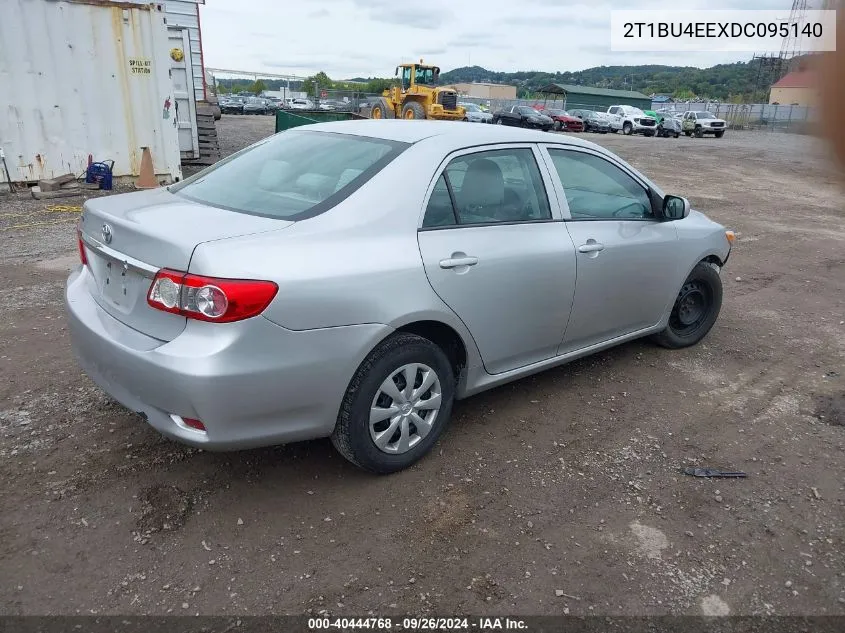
(209, 146)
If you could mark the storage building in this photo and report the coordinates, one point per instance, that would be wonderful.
(797, 88)
(485, 91)
(598, 99)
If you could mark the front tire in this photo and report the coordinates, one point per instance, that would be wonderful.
(696, 309)
(413, 111)
(397, 405)
(719, 134)
(699, 132)
(627, 129)
(382, 109)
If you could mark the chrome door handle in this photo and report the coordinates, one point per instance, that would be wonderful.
(591, 247)
(456, 262)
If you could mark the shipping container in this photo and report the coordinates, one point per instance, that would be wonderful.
(82, 78)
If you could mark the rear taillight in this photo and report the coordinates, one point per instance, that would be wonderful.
(82, 256)
(209, 298)
(194, 424)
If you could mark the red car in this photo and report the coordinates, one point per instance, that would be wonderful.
(564, 122)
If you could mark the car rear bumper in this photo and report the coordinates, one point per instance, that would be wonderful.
(251, 383)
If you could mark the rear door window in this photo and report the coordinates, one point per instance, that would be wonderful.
(489, 187)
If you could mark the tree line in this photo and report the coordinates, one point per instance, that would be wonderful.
(740, 82)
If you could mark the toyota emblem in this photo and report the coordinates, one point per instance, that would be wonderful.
(106, 232)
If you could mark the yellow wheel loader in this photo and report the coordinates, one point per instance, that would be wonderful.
(418, 97)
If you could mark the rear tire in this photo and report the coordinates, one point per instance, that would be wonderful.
(677, 134)
(687, 133)
(413, 111)
(557, 126)
(385, 369)
(382, 109)
(696, 309)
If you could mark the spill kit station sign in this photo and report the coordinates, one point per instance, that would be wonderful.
(140, 66)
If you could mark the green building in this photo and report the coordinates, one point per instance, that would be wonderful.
(588, 98)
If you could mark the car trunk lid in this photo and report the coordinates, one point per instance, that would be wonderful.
(128, 238)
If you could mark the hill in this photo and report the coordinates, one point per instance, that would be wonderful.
(725, 82)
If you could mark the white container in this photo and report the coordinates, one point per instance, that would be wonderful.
(85, 77)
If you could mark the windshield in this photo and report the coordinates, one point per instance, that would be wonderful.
(704, 115)
(557, 112)
(471, 107)
(527, 110)
(424, 75)
(292, 175)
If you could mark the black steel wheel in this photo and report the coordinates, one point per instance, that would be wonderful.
(696, 309)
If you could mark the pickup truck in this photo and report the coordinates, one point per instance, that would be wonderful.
(631, 120)
(700, 123)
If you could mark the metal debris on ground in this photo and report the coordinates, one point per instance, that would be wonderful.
(714, 473)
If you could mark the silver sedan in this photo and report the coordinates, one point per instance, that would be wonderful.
(352, 280)
(474, 114)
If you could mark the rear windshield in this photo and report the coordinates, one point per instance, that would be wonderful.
(291, 176)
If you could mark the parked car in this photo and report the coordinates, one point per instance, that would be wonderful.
(593, 121)
(231, 105)
(211, 309)
(302, 104)
(669, 126)
(631, 120)
(523, 116)
(256, 105)
(474, 113)
(563, 121)
(702, 122)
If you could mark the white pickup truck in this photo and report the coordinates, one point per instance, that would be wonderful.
(631, 120)
(701, 123)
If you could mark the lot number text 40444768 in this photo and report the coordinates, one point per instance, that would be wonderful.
(418, 624)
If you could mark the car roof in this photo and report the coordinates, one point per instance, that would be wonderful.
(449, 133)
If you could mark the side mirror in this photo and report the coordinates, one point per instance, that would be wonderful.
(675, 208)
(396, 74)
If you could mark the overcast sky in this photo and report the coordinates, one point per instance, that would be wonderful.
(351, 38)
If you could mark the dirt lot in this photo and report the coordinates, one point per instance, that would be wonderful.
(559, 493)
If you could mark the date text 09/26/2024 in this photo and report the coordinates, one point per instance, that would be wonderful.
(417, 624)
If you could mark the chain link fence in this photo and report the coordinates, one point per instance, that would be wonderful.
(752, 116)
(756, 116)
(345, 100)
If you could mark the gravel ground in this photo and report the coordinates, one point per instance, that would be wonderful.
(556, 494)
